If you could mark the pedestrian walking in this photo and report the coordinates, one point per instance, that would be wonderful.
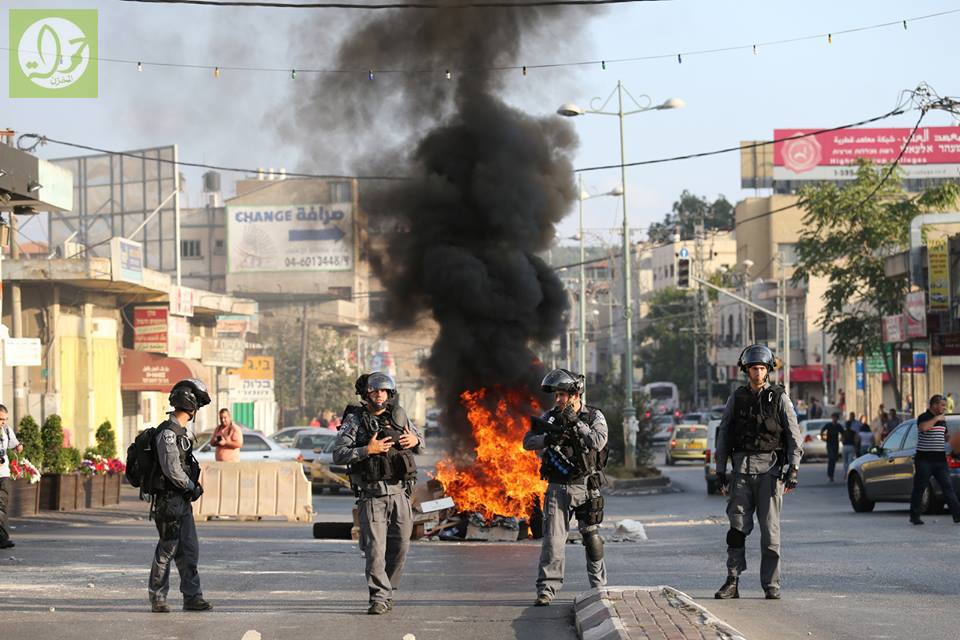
(893, 420)
(571, 439)
(931, 461)
(377, 442)
(228, 438)
(174, 488)
(866, 436)
(8, 442)
(760, 436)
(851, 441)
(816, 409)
(831, 433)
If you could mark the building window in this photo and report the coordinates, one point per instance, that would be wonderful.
(218, 249)
(190, 249)
(341, 192)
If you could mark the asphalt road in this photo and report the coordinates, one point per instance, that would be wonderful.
(846, 575)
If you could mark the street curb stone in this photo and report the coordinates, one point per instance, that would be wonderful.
(632, 613)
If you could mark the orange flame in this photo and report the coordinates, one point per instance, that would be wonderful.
(500, 478)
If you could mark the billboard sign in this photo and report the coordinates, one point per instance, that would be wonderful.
(893, 328)
(938, 268)
(934, 152)
(126, 260)
(21, 352)
(287, 238)
(150, 329)
(915, 313)
(256, 379)
(223, 352)
(181, 300)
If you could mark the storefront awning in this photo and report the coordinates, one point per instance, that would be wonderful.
(807, 373)
(144, 371)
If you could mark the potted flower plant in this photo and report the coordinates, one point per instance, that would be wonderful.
(93, 469)
(25, 500)
(59, 485)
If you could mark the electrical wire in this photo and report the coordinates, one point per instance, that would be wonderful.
(503, 4)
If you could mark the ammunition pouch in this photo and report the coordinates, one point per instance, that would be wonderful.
(590, 512)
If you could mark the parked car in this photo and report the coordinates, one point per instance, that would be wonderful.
(689, 442)
(885, 474)
(716, 411)
(324, 461)
(814, 447)
(662, 427)
(255, 447)
(286, 436)
(309, 442)
(431, 424)
(709, 457)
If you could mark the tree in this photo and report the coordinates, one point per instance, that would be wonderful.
(848, 232)
(329, 379)
(51, 435)
(28, 433)
(687, 212)
(106, 441)
(667, 335)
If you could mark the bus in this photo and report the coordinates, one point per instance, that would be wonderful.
(664, 397)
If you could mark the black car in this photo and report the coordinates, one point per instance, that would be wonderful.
(885, 474)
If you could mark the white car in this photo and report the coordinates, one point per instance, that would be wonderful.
(255, 447)
(813, 445)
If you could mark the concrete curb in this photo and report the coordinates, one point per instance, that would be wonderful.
(597, 618)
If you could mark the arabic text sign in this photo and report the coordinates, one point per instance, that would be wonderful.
(938, 268)
(53, 53)
(916, 314)
(934, 152)
(310, 237)
(893, 328)
(150, 329)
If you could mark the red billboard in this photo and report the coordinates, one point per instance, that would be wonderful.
(934, 152)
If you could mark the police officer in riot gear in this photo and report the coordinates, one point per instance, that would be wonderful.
(571, 439)
(377, 442)
(759, 435)
(174, 488)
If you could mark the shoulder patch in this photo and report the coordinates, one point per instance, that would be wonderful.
(169, 437)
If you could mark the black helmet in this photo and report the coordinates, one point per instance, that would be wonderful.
(378, 381)
(563, 380)
(189, 395)
(756, 354)
(360, 386)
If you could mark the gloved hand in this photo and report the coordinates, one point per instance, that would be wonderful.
(568, 416)
(790, 477)
(722, 481)
(196, 493)
(553, 439)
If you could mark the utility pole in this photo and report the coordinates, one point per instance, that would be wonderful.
(16, 313)
(303, 361)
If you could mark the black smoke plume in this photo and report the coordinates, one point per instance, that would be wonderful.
(488, 186)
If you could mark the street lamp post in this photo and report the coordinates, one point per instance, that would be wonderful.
(572, 110)
(616, 191)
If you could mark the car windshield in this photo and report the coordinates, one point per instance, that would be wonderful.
(692, 418)
(690, 433)
(286, 436)
(661, 393)
(815, 425)
(313, 440)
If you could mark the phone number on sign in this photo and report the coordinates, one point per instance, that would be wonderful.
(317, 261)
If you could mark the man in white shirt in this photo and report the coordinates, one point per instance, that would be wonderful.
(8, 441)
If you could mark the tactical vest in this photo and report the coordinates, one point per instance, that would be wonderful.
(755, 426)
(185, 450)
(397, 464)
(568, 463)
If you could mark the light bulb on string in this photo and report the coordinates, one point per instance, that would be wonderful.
(139, 66)
(216, 72)
(829, 38)
(449, 75)
(293, 74)
(904, 25)
(754, 49)
(679, 59)
(370, 74)
(603, 65)
(524, 71)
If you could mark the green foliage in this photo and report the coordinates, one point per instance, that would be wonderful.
(329, 376)
(667, 340)
(28, 433)
(848, 232)
(687, 213)
(68, 461)
(51, 436)
(106, 441)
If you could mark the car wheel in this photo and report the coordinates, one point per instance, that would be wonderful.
(858, 496)
(711, 487)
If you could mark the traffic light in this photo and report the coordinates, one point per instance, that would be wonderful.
(683, 273)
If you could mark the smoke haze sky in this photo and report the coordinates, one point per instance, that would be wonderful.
(730, 96)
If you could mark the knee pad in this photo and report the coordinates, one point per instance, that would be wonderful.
(736, 539)
(593, 544)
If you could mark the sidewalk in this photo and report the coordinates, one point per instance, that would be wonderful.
(130, 508)
(646, 613)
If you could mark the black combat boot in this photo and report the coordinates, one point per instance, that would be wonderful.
(771, 593)
(196, 603)
(378, 609)
(159, 606)
(730, 589)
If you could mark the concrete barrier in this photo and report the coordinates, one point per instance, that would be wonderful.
(254, 490)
